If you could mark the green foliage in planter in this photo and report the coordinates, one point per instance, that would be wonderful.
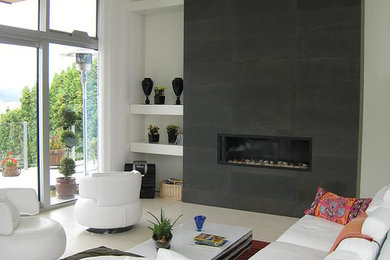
(68, 118)
(69, 139)
(153, 130)
(159, 91)
(162, 227)
(67, 167)
(172, 129)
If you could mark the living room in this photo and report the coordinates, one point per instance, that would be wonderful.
(312, 70)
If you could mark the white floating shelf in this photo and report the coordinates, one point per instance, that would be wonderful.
(156, 6)
(156, 110)
(156, 148)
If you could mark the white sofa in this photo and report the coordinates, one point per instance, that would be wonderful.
(109, 200)
(311, 237)
(23, 235)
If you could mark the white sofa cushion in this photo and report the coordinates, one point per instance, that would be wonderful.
(385, 250)
(377, 224)
(314, 232)
(367, 250)
(342, 255)
(287, 251)
(378, 200)
(15, 215)
(6, 225)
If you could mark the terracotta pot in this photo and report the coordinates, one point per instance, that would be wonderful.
(66, 187)
(11, 171)
(56, 156)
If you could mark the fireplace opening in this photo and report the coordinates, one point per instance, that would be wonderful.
(290, 153)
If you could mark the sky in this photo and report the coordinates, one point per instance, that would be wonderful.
(18, 64)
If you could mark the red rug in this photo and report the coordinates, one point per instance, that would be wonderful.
(256, 246)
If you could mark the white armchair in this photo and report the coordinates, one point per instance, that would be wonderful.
(23, 235)
(109, 201)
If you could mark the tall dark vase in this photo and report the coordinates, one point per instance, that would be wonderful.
(147, 87)
(177, 84)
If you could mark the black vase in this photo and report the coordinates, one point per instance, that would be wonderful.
(159, 100)
(177, 84)
(172, 137)
(154, 138)
(147, 87)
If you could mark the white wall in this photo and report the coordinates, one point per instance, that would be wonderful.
(132, 47)
(164, 44)
(375, 170)
(121, 61)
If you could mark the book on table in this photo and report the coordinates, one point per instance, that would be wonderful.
(210, 240)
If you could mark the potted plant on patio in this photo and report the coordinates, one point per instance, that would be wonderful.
(66, 186)
(154, 136)
(57, 150)
(10, 166)
(172, 131)
(159, 95)
(162, 228)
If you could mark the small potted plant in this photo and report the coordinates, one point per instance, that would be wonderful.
(10, 166)
(162, 228)
(66, 186)
(57, 150)
(159, 95)
(172, 131)
(154, 136)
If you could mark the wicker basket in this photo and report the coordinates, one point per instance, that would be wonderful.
(171, 191)
(11, 171)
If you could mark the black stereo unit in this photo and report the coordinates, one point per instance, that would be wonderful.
(148, 172)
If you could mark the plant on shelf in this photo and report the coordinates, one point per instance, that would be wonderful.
(10, 166)
(66, 186)
(159, 95)
(172, 131)
(162, 228)
(154, 136)
(57, 150)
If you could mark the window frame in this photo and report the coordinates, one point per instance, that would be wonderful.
(41, 39)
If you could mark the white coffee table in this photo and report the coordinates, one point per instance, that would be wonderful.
(239, 240)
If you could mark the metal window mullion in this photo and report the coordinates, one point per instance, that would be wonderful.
(43, 99)
(44, 155)
(19, 34)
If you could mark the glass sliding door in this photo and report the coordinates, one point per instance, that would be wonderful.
(18, 117)
(66, 103)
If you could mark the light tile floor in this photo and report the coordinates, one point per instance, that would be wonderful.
(265, 227)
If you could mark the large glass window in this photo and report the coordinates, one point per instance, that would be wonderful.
(41, 89)
(23, 14)
(70, 15)
(18, 116)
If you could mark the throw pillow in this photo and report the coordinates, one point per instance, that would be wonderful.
(14, 211)
(345, 214)
(334, 208)
(352, 229)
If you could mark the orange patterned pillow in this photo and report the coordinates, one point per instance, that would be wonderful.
(334, 208)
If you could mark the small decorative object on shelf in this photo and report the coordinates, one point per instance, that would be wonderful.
(172, 131)
(179, 139)
(162, 228)
(199, 221)
(147, 87)
(10, 166)
(154, 136)
(177, 84)
(159, 95)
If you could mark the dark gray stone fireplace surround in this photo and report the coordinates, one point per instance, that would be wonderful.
(271, 68)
